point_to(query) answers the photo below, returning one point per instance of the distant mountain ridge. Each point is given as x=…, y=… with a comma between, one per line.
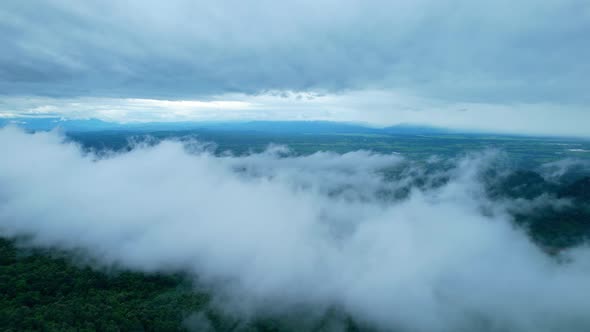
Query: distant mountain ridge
x=275, y=127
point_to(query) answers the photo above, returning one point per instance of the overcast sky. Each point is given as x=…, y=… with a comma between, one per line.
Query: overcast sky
x=515, y=66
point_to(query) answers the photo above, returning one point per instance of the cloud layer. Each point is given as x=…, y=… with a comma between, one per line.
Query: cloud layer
x=273, y=232
x=456, y=50
x=373, y=108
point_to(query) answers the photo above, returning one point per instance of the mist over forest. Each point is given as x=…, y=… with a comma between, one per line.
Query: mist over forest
x=276, y=239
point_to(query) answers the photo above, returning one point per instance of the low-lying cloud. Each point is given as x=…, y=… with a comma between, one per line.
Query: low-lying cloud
x=273, y=231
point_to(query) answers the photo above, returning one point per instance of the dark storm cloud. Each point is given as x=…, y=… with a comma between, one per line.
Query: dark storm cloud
x=504, y=51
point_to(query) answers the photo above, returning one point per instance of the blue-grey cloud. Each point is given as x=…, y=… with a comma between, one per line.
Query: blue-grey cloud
x=457, y=50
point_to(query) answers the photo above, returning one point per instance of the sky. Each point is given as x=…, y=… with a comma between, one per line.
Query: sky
x=500, y=66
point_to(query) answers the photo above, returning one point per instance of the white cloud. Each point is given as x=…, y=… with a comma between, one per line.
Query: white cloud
x=276, y=232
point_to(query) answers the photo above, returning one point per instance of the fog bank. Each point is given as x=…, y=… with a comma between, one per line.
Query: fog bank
x=272, y=231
